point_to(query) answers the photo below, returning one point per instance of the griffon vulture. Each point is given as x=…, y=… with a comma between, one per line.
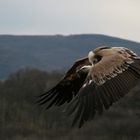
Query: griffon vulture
x=95, y=82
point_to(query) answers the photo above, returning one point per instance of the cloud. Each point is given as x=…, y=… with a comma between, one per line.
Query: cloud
x=118, y=18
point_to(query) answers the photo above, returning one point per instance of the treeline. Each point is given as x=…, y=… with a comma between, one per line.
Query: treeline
x=22, y=119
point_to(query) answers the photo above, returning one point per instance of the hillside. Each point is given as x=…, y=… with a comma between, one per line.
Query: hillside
x=22, y=119
x=51, y=52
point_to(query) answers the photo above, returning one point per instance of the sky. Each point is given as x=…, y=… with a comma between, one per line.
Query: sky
x=119, y=18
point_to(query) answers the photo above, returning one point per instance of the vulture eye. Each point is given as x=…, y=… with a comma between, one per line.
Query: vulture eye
x=98, y=57
x=95, y=61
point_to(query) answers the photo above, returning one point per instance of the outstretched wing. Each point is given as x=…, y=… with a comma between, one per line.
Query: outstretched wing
x=67, y=87
x=106, y=83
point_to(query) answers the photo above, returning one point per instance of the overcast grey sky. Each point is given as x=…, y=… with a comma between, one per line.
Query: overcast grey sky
x=120, y=18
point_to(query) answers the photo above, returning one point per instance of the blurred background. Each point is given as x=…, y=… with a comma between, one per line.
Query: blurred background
x=39, y=41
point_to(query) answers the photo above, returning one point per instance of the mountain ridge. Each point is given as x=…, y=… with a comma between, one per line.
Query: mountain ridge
x=51, y=52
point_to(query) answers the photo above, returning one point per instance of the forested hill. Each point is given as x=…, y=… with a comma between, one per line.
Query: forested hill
x=51, y=52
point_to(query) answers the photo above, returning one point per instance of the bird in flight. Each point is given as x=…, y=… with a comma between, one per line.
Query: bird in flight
x=95, y=82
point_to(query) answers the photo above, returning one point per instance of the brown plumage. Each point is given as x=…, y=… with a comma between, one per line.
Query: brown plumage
x=94, y=83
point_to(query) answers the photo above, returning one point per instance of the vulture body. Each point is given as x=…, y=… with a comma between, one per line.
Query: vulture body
x=95, y=82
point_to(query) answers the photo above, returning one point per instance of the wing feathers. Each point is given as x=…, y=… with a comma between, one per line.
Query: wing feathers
x=79, y=111
x=98, y=102
x=93, y=97
x=44, y=98
x=97, y=88
x=67, y=87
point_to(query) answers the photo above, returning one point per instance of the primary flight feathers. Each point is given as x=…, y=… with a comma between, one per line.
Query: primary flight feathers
x=94, y=83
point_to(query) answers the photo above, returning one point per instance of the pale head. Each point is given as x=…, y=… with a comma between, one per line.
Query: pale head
x=96, y=55
x=91, y=56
